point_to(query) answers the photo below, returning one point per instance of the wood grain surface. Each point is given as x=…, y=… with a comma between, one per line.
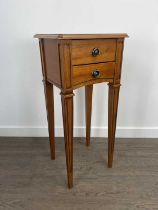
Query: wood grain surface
x=88, y=111
x=80, y=36
x=29, y=180
x=83, y=73
x=81, y=51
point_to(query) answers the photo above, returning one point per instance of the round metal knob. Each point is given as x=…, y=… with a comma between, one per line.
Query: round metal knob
x=95, y=52
x=96, y=73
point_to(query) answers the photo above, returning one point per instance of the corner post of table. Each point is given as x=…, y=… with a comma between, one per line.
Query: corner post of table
x=49, y=99
x=113, y=98
x=67, y=105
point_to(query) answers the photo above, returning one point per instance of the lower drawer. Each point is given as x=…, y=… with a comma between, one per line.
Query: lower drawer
x=84, y=73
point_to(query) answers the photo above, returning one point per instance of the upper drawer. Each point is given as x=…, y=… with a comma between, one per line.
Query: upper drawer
x=93, y=51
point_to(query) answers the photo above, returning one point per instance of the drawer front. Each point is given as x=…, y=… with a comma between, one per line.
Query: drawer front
x=92, y=51
x=84, y=73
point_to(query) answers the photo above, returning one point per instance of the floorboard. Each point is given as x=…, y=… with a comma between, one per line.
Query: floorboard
x=29, y=180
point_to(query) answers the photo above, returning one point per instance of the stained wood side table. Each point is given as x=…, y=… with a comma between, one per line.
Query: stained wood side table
x=70, y=61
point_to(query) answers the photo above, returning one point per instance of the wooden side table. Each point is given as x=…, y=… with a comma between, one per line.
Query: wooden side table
x=70, y=61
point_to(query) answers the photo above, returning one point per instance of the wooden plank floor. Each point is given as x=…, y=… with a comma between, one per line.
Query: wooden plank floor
x=29, y=180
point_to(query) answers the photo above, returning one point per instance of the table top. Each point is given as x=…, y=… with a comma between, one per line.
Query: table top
x=80, y=36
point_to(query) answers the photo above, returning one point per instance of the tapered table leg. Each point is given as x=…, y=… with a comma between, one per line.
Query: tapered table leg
x=112, y=117
x=49, y=97
x=67, y=110
x=88, y=109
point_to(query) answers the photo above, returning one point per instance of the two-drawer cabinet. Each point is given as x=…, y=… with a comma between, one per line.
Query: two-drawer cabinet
x=70, y=61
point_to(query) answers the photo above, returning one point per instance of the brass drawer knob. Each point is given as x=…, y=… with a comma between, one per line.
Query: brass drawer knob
x=95, y=52
x=96, y=73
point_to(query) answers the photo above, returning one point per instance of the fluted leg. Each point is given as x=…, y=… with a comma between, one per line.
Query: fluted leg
x=88, y=109
x=49, y=97
x=112, y=117
x=67, y=109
